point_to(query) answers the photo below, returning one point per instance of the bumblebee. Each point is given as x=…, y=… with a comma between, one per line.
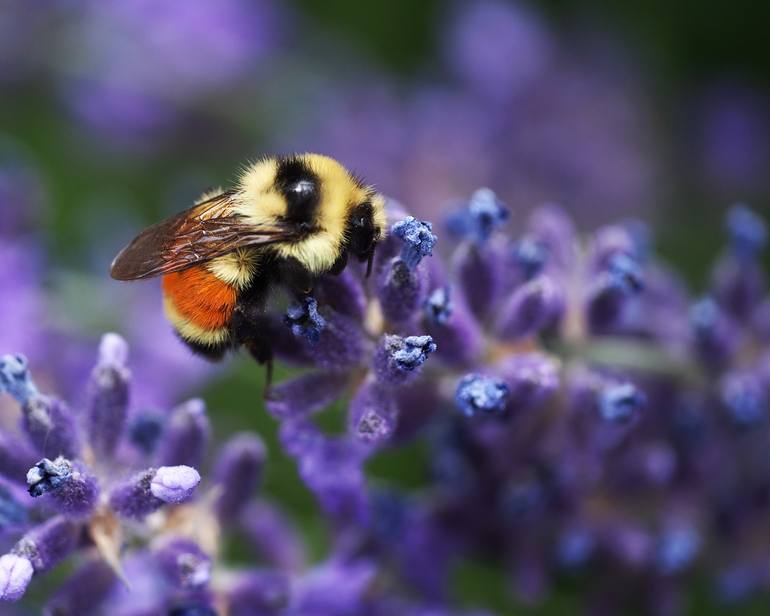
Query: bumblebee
x=288, y=221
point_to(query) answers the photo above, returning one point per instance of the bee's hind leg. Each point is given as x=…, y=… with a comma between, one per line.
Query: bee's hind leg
x=249, y=331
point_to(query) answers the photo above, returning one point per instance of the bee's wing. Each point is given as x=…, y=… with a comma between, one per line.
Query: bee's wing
x=207, y=230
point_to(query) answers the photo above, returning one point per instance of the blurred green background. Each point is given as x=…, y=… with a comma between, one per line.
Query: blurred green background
x=105, y=176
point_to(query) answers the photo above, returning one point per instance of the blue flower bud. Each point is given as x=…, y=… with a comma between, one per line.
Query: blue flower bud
x=401, y=290
x=397, y=359
x=744, y=398
x=677, y=548
x=145, y=430
x=747, y=231
x=619, y=402
x=50, y=427
x=439, y=307
x=418, y=239
x=46, y=475
x=150, y=489
x=530, y=256
x=483, y=215
x=625, y=273
x=477, y=394
x=575, y=547
x=15, y=379
x=304, y=320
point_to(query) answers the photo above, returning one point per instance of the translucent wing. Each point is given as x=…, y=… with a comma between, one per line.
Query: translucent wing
x=207, y=230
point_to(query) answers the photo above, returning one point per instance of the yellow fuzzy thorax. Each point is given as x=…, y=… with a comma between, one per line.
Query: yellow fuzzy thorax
x=260, y=201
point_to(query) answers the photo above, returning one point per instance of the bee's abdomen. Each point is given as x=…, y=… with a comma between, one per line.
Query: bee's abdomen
x=199, y=305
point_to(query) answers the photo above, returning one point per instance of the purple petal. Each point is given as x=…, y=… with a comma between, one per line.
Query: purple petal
x=174, y=484
x=15, y=575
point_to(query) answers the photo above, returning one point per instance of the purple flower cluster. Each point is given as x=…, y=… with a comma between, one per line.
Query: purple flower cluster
x=583, y=412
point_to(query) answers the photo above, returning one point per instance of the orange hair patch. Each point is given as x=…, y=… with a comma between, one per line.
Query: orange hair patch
x=201, y=297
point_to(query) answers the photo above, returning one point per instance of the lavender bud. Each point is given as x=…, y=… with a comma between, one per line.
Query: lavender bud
x=619, y=402
x=401, y=290
x=575, y=547
x=480, y=272
x=184, y=564
x=714, y=333
x=739, y=285
x=625, y=273
x=174, y=484
x=747, y=231
x=15, y=575
x=457, y=334
x=144, y=432
x=48, y=544
x=397, y=360
x=343, y=293
x=74, y=491
x=151, y=489
x=551, y=226
x=373, y=414
x=677, y=548
x=15, y=378
x=50, y=426
x=340, y=346
x=186, y=435
x=439, y=306
x=477, y=394
x=532, y=307
x=238, y=473
x=303, y=319
x=532, y=378
x=530, y=257
x=484, y=214
x=744, y=398
x=418, y=239
x=305, y=395
x=108, y=396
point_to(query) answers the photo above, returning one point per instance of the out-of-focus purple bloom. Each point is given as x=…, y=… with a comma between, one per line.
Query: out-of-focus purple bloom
x=15, y=575
x=482, y=216
x=619, y=402
x=238, y=473
x=186, y=435
x=478, y=395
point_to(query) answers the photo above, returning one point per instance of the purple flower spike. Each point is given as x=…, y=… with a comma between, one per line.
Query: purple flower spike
x=108, y=396
x=418, y=239
x=304, y=395
x=552, y=227
x=12, y=513
x=373, y=414
x=304, y=320
x=677, y=548
x=85, y=591
x=484, y=214
x=272, y=536
x=15, y=457
x=532, y=378
x=238, y=473
x=174, y=484
x=48, y=544
x=74, y=491
x=340, y=346
x=15, y=379
x=625, y=273
x=457, y=334
x=747, y=231
x=398, y=359
x=481, y=395
x=531, y=307
x=15, y=575
x=619, y=402
x=184, y=564
x=186, y=435
x=481, y=272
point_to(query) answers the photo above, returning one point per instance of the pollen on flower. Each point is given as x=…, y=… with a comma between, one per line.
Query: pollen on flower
x=304, y=320
x=418, y=240
x=478, y=395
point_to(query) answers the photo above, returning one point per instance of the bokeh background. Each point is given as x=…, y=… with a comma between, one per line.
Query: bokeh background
x=116, y=113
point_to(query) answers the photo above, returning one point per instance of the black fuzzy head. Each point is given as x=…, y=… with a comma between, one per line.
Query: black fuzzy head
x=301, y=189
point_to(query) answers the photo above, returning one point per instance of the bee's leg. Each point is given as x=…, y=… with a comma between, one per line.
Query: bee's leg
x=295, y=277
x=249, y=329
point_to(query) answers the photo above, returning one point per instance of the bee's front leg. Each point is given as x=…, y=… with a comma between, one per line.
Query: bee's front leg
x=295, y=277
x=248, y=328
